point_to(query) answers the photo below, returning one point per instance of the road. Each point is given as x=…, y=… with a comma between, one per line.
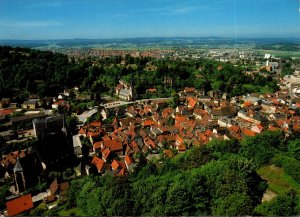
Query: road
x=121, y=103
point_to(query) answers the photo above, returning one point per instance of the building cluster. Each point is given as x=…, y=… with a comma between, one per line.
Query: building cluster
x=155, y=127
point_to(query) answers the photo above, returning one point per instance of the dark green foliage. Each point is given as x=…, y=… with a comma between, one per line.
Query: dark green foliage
x=282, y=205
x=193, y=183
x=24, y=71
x=290, y=165
x=262, y=147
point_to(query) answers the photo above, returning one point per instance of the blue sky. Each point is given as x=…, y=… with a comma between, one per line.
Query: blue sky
x=60, y=19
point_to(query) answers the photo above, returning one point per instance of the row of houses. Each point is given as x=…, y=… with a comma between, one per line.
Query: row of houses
x=153, y=127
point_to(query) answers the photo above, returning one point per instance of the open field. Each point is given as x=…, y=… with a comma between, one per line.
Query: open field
x=279, y=53
x=278, y=181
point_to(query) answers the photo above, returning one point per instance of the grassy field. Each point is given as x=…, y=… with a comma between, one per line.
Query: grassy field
x=278, y=53
x=278, y=181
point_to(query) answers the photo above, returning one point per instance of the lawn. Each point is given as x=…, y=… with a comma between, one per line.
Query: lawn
x=278, y=181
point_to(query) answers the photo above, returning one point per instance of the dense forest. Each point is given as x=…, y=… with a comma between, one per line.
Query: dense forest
x=25, y=71
x=221, y=178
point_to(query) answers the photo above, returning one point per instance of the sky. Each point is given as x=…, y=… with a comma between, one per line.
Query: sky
x=97, y=19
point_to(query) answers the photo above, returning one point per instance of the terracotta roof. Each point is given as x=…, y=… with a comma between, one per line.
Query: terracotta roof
x=128, y=160
x=113, y=145
x=179, y=139
x=248, y=132
x=19, y=205
x=150, y=142
x=166, y=112
x=115, y=165
x=234, y=128
x=97, y=145
x=248, y=104
x=6, y=112
x=192, y=102
x=105, y=153
x=148, y=122
x=81, y=131
x=93, y=134
x=95, y=124
x=168, y=153
x=189, y=89
x=181, y=147
x=99, y=163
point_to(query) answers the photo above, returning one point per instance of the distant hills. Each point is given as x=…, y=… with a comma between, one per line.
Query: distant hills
x=157, y=42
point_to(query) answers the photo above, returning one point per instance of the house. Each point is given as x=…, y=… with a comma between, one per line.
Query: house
x=189, y=90
x=222, y=112
x=19, y=205
x=99, y=163
x=129, y=163
x=124, y=91
x=30, y=104
x=105, y=154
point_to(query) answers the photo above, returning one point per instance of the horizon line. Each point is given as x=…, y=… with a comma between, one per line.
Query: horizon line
x=142, y=37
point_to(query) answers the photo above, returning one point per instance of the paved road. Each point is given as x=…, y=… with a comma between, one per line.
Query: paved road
x=121, y=103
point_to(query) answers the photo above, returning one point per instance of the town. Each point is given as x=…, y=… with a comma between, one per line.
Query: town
x=45, y=143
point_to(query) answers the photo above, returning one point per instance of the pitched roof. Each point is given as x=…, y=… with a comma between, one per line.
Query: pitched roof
x=128, y=160
x=105, y=153
x=99, y=163
x=19, y=205
x=18, y=167
x=115, y=165
x=97, y=145
x=149, y=122
x=248, y=132
x=189, y=89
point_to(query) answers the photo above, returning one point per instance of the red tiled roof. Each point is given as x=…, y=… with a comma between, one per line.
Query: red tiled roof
x=247, y=103
x=99, y=163
x=113, y=145
x=6, y=112
x=115, y=165
x=149, y=122
x=234, y=128
x=248, y=132
x=166, y=112
x=105, y=153
x=93, y=134
x=179, y=139
x=150, y=142
x=189, y=89
x=81, y=131
x=128, y=160
x=19, y=205
x=95, y=124
x=181, y=147
x=192, y=102
x=97, y=145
